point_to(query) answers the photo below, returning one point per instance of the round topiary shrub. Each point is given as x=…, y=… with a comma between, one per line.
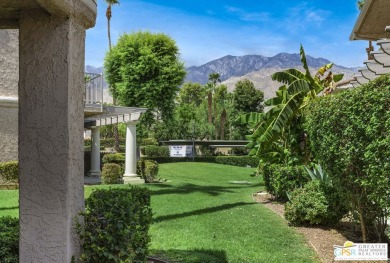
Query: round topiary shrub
x=151, y=171
x=316, y=203
x=111, y=173
x=9, y=171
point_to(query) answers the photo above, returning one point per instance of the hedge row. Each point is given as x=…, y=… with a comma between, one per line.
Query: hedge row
x=155, y=151
x=281, y=180
x=116, y=225
x=242, y=161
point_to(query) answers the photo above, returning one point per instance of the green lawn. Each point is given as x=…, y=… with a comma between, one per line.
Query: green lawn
x=205, y=213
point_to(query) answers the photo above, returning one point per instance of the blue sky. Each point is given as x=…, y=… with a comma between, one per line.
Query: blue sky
x=207, y=30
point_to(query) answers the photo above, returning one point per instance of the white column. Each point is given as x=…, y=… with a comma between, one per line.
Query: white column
x=130, y=175
x=95, y=152
x=51, y=193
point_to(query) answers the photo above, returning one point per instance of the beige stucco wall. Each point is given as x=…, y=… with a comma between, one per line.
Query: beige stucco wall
x=9, y=77
x=9, y=62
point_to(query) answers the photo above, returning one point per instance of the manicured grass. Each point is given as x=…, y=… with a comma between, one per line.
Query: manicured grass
x=201, y=215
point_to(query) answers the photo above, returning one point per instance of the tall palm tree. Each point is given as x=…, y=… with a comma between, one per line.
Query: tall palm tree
x=113, y=90
x=213, y=80
x=109, y=15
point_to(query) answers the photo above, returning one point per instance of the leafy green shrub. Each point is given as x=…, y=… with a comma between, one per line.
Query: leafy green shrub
x=155, y=151
x=116, y=225
x=349, y=135
x=111, y=173
x=117, y=158
x=317, y=203
x=203, y=159
x=148, y=141
x=280, y=180
x=148, y=169
x=9, y=239
x=242, y=161
x=9, y=171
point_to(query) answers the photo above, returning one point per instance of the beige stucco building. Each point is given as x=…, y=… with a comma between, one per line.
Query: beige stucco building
x=9, y=78
x=43, y=113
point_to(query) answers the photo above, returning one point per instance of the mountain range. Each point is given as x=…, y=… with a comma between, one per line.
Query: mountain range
x=256, y=68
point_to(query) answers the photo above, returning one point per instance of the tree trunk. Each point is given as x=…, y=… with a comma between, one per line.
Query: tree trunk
x=223, y=121
x=210, y=104
x=362, y=223
x=115, y=126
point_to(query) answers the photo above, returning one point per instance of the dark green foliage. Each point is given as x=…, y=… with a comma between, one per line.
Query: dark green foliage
x=146, y=70
x=349, y=135
x=317, y=203
x=148, y=141
x=116, y=224
x=242, y=161
x=246, y=98
x=9, y=240
x=111, y=173
x=9, y=171
x=280, y=180
x=155, y=151
x=202, y=159
x=117, y=158
x=148, y=169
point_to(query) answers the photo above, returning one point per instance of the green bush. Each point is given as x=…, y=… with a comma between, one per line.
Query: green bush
x=242, y=161
x=317, y=203
x=148, y=141
x=9, y=240
x=203, y=159
x=349, y=135
x=111, y=173
x=116, y=225
x=9, y=171
x=155, y=151
x=117, y=158
x=148, y=169
x=280, y=180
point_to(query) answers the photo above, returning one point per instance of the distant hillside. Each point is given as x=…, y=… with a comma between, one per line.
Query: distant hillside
x=256, y=68
x=237, y=66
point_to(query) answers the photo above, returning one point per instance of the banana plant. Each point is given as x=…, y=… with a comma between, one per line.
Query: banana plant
x=287, y=106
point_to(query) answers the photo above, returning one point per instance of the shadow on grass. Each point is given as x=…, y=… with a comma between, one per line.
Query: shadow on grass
x=192, y=188
x=9, y=208
x=200, y=211
x=190, y=256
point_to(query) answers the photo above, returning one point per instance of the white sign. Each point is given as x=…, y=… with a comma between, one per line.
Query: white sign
x=361, y=251
x=177, y=150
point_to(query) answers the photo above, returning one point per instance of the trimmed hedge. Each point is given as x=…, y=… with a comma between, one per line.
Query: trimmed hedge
x=9, y=239
x=111, y=173
x=117, y=158
x=241, y=161
x=317, y=203
x=9, y=171
x=155, y=151
x=148, y=169
x=349, y=135
x=280, y=180
x=116, y=225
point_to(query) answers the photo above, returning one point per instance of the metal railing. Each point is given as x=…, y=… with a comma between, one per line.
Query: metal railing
x=93, y=94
